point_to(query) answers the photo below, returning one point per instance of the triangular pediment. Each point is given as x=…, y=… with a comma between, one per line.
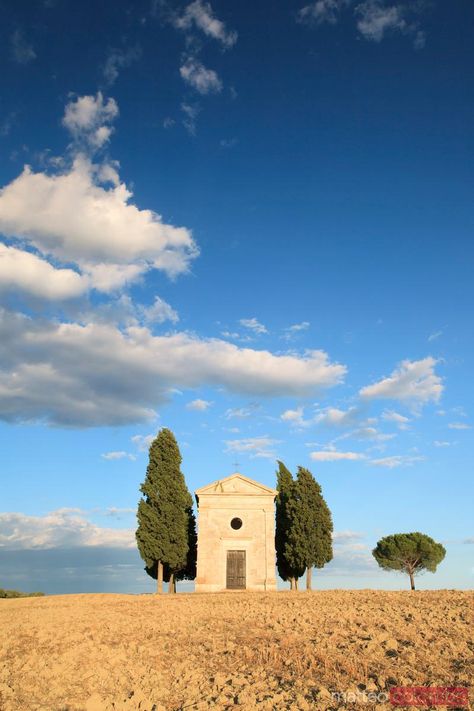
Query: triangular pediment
x=235, y=484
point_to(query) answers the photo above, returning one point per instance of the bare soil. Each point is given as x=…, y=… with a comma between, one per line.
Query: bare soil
x=267, y=651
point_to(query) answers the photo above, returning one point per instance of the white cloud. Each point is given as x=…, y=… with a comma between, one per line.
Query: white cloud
x=63, y=528
x=398, y=460
x=233, y=335
x=400, y=420
x=254, y=446
x=205, y=81
x=96, y=374
x=334, y=417
x=372, y=433
x=28, y=273
x=438, y=443
x=344, y=537
x=199, y=405
x=292, y=331
x=459, y=426
x=331, y=455
x=191, y=112
x=159, y=312
x=295, y=417
x=112, y=456
x=118, y=512
x=303, y=326
x=143, y=442
x=322, y=11
x=200, y=15
x=434, y=336
x=240, y=412
x=419, y=41
x=118, y=59
x=73, y=218
x=375, y=19
x=253, y=325
x=22, y=51
x=413, y=381
x=87, y=118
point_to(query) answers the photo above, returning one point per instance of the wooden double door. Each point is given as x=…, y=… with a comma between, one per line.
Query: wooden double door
x=236, y=570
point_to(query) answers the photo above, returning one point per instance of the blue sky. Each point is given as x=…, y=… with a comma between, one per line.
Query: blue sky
x=250, y=224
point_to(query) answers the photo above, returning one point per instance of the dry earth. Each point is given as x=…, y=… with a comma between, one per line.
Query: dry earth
x=267, y=651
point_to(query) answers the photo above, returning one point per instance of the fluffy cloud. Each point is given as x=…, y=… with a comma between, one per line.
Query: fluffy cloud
x=400, y=420
x=343, y=537
x=63, y=528
x=371, y=433
x=26, y=272
x=191, y=112
x=240, y=412
x=459, y=426
x=295, y=417
x=331, y=455
x=200, y=15
x=159, y=312
x=398, y=460
x=87, y=118
x=74, y=217
x=113, y=456
x=376, y=19
x=303, y=326
x=254, y=446
x=118, y=59
x=334, y=417
x=322, y=11
x=70, y=374
x=143, y=442
x=205, y=81
x=292, y=331
x=413, y=381
x=199, y=405
x=21, y=50
x=254, y=325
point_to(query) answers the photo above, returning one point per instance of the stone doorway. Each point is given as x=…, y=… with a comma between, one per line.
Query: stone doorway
x=235, y=579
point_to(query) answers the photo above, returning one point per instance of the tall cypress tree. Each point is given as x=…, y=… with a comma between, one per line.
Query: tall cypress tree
x=285, y=487
x=309, y=541
x=165, y=514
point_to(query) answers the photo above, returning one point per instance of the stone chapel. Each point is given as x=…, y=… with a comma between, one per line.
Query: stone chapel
x=236, y=535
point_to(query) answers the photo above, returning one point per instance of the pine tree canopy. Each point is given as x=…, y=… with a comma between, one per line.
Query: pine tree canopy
x=409, y=552
x=165, y=514
x=309, y=540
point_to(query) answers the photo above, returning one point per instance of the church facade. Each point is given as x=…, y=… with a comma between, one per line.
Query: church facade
x=236, y=535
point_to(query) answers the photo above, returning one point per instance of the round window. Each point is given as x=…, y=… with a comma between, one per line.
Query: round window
x=236, y=523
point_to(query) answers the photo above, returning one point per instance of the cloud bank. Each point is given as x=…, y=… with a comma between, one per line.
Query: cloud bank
x=95, y=374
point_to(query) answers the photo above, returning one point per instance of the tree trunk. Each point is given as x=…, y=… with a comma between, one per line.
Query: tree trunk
x=172, y=584
x=159, y=577
x=412, y=580
x=296, y=583
x=292, y=584
x=309, y=577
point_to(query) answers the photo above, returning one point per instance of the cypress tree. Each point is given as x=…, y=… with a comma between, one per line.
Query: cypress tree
x=309, y=541
x=165, y=514
x=285, y=487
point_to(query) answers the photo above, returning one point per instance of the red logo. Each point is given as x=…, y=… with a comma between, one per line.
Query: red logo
x=449, y=696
